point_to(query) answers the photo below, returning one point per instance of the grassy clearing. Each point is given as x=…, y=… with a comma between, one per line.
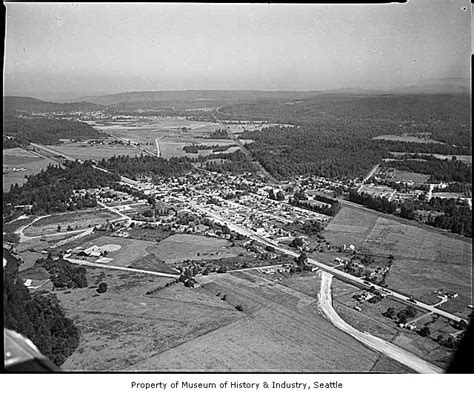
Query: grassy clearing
x=84, y=151
x=410, y=139
x=151, y=263
x=124, y=327
x=275, y=333
x=21, y=159
x=182, y=247
x=405, y=176
x=77, y=220
x=350, y=226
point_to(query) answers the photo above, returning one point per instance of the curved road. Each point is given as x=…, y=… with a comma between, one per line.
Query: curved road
x=387, y=348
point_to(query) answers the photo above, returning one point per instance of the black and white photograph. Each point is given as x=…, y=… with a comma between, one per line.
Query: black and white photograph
x=257, y=188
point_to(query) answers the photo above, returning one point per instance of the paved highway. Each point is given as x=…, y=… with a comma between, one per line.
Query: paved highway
x=387, y=348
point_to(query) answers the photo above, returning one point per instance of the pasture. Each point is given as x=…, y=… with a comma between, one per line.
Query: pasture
x=410, y=139
x=85, y=151
x=180, y=247
x=405, y=176
x=19, y=163
x=279, y=330
x=76, y=220
x=125, y=326
x=462, y=158
x=425, y=260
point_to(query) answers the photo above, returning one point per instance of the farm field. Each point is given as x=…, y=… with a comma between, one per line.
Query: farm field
x=424, y=260
x=463, y=158
x=405, y=176
x=85, y=151
x=125, y=326
x=27, y=163
x=182, y=247
x=278, y=331
x=411, y=139
x=350, y=226
x=77, y=220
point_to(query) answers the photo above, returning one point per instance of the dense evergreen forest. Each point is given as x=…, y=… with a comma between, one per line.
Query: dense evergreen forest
x=51, y=190
x=38, y=317
x=439, y=170
x=447, y=117
x=452, y=215
x=44, y=130
x=236, y=162
x=333, y=137
x=147, y=166
x=312, y=150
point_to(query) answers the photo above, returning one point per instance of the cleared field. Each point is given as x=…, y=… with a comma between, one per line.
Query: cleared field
x=410, y=176
x=449, y=195
x=350, y=226
x=280, y=334
x=84, y=151
x=125, y=326
x=26, y=164
x=77, y=220
x=424, y=260
x=463, y=158
x=182, y=247
x=411, y=139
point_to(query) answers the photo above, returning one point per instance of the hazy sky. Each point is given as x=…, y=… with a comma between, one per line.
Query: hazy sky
x=79, y=48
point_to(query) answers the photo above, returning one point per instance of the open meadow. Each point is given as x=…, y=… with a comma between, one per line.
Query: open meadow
x=19, y=163
x=424, y=260
x=75, y=220
x=126, y=326
x=84, y=151
x=411, y=139
x=279, y=329
x=180, y=247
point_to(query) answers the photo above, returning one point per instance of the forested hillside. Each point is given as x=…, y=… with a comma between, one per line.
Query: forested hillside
x=51, y=190
x=446, y=117
x=44, y=130
x=333, y=133
x=39, y=317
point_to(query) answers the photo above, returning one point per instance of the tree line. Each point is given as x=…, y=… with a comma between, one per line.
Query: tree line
x=439, y=170
x=38, y=317
x=44, y=130
x=452, y=214
x=51, y=190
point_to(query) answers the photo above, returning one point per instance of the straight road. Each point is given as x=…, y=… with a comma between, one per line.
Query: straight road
x=387, y=348
x=113, y=267
x=369, y=175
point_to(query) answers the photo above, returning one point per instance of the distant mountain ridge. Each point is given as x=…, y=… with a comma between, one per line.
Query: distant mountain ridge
x=26, y=103
x=211, y=97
